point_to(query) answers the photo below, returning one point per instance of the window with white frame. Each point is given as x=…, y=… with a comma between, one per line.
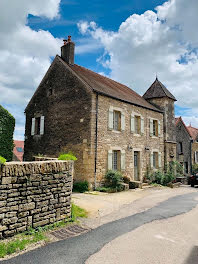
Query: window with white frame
x=116, y=160
x=155, y=128
x=156, y=160
x=37, y=126
x=116, y=120
x=137, y=124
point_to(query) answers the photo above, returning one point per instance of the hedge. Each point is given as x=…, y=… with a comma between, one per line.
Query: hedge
x=7, y=125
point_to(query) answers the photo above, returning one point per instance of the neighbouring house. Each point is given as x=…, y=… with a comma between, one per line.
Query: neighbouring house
x=104, y=123
x=184, y=145
x=194, y=148
x=18, y=150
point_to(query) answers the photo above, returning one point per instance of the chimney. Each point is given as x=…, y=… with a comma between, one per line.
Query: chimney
x=67, y=51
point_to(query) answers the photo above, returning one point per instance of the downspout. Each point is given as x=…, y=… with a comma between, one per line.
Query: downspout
x=96, y=141
x=191, y=157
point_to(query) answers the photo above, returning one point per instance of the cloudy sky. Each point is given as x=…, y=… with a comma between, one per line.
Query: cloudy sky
x=129, y=42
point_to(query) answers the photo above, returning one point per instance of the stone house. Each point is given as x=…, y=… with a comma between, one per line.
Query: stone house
x=194, y=148
x=104, y=123
x=184, y=145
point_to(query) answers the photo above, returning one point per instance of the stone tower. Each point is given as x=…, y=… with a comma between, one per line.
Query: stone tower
x=159, y=96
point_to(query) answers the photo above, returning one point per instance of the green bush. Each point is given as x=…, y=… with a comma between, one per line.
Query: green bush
x=81, y=186
x=67, y=156
x=159, y=177
x=2, y=160
x=113, y=179
x=7, y=124
x=195, y=168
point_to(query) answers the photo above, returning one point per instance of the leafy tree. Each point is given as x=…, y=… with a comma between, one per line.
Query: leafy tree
x=7, y=125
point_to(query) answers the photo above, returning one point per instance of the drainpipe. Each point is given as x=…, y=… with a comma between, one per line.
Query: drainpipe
x=191, y=142
x=96, y=141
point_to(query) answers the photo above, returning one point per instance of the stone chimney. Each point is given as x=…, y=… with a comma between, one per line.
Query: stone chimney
x=67, y=51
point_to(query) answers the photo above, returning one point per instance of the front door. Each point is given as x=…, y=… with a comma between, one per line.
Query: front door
x=136, y=166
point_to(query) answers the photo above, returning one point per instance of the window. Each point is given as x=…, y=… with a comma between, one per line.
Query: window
x=155, y=160
x=19, y=149
x=117, y=120
x=137, y=121
x=37, y=126
x=186, y=167
x=137, y=124
x=196, y=156
x=155, y=128
x=180, y=148
x=115, y=160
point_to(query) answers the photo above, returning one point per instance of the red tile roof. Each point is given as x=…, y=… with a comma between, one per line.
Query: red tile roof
x=109, y=87
x=19, y=145
x=193, y=132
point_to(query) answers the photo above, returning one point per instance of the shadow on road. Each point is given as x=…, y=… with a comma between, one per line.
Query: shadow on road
x=193, y=257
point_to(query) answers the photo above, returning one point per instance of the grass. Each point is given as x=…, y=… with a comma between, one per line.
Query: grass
x=32, y=236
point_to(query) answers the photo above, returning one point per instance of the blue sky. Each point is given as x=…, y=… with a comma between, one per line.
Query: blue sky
x=129, y=41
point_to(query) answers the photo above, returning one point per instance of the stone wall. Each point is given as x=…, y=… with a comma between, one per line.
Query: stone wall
x=34, y=194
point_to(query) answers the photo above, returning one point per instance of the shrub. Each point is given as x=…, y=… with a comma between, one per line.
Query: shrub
x=81, y=186
x=126, y=179
x=7, y=124
x=67, y=156
x=2, y=160
x=113, y=179
x=195, y=168
x=159, y=177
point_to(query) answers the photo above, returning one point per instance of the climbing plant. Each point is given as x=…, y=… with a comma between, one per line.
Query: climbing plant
x=7, y=124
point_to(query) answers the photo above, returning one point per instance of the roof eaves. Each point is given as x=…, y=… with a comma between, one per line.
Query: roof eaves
x=128, y=102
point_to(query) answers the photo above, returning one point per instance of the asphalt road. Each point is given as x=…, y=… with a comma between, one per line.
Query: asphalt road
x=77, y=250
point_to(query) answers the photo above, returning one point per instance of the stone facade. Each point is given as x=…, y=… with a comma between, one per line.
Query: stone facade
x=184, y=145
x=65, y=103
x=34, y=194
x=126, y=140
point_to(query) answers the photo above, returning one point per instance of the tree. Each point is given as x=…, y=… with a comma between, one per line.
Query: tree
x=7, y=125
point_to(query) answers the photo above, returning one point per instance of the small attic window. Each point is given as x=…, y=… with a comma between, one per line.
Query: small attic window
x=50, y=91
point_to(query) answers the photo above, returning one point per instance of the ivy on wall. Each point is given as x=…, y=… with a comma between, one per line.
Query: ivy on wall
x=7, y=124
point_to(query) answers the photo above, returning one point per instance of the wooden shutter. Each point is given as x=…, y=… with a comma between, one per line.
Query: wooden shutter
x=110, y=125
x=33, y=127
x=122, y=122
x=122, y=159
x=159, y=128
x=110, y=161
x=160, y=160
x=151, y=127
x=132, y=123
x=142, y=125
x=195, y=156
x=151, y=161
x=42, y=125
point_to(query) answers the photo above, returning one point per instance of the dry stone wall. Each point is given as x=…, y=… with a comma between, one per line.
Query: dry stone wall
x=34, y=194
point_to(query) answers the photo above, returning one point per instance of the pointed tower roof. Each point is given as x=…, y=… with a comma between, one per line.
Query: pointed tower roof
x=158, y=90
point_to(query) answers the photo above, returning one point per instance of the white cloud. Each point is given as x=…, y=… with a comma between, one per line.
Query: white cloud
x=24, y=53
x=162, y=42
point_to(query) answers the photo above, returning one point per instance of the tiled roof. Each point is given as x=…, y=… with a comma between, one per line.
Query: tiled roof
x=109, y=87
x=18, y=150
x=158, y=90
x=193, y=132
